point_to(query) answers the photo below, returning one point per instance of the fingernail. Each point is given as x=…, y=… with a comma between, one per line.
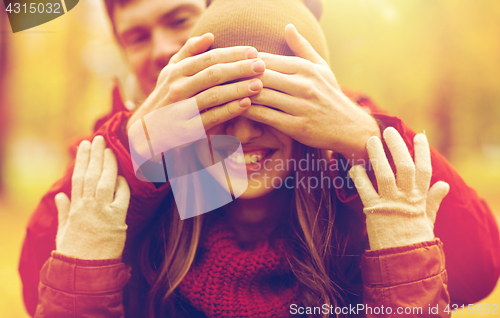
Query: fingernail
x=255, y=85
x=244, y=103
x=251, y=53
x=259, y=66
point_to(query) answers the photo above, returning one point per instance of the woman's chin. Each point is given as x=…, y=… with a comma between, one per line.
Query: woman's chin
x=254, y=193
x=245, y=189
x=256, y=189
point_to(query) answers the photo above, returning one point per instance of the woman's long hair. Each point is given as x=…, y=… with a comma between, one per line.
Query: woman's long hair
x=323, y=247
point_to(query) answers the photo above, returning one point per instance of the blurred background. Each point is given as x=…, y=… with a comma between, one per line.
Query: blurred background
x=435, y=64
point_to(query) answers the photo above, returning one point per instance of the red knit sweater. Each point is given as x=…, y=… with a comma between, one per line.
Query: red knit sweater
x=229, y=281
x=226, y=281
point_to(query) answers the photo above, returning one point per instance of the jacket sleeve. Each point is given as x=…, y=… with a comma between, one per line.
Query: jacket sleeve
x=71, y=287
x=464, y=223
x=42, y=226
x=406, y=280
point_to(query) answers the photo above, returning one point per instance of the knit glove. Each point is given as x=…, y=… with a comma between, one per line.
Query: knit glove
x=92, y=225
x=404, y=209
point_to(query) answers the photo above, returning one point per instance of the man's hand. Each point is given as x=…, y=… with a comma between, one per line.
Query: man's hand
x=92, y=225
x=301, y=98
x=404, y=209
x=192, y=73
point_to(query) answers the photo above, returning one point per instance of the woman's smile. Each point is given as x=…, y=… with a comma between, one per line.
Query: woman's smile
x=263, y=147
x=253, y=157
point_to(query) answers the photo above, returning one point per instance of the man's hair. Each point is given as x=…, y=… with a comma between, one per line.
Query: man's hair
x=111, y=4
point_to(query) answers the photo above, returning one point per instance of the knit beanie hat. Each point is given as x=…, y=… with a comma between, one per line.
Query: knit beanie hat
x=261, y=24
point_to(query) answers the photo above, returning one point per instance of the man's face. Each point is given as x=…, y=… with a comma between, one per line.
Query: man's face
x=152, y=31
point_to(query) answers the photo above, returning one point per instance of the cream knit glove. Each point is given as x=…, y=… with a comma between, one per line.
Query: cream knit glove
x=404, y=209
x=92, y=225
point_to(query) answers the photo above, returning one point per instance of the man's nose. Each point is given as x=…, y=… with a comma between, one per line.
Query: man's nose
x=164, y=47
x=244, y=129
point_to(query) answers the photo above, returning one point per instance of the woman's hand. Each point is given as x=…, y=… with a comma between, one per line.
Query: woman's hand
x=404, y=209
x=92, y=225
x=308, y=103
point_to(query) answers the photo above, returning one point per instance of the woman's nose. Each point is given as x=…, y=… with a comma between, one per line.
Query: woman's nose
x=244, y=129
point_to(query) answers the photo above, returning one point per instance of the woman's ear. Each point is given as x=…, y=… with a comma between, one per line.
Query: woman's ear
x=316, y=7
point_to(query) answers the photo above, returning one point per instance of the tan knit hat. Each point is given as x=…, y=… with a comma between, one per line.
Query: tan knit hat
x=261, y=24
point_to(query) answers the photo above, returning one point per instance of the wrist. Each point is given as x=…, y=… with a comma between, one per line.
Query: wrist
x=366, y=127
x=397, y=229
x=132, y=119
x=92, y=246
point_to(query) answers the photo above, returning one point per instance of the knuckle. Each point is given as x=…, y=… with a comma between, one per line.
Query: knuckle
x=242, y=88
x=162, y=77
x=238, y=53
x=309, y=66
x=243, y=68
x=259, y=97
x=304, y=126
x=170, y=72
x=229, y=109
x=212, y=97
x=214, y=74
x=309, y=91
x=165, y=74
x=174, y=93
x=261, y=113
x=209, y=58
x=212, y=118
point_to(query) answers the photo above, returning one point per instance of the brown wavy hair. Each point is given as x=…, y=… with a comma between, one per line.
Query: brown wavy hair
x=323, y=247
